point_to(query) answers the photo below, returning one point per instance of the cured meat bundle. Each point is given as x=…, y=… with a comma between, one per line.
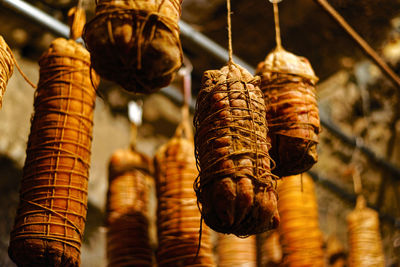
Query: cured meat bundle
x=288, y=83
x=234, y=251
x=300, y=236
x=128, y=241
x=178, y=217
x=365, y=241
x=50, y=220
x=271, y=250
x=136, y=42
x=235, y=187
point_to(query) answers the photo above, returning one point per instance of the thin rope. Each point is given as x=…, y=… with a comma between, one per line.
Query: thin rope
x=277, y=27
x=230, y=50
x=361, y=42
x=22, y=73
x=7, y=49
x=357, y=181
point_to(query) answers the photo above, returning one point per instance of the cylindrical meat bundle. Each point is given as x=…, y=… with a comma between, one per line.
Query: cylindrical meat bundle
x=6, y=67
x=271, y=250
x=178, y=217
x=50, y=220
x=128, y=241
x=136, y=42
x=300, y=236
x=288, y=83
x=236, y=252
x=235, y=187
x=365, y=244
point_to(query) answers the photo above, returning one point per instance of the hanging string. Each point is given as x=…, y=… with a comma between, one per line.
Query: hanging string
x=228, y=6
x=361, y=42
x=356, y=168
x=277, y=27
x=22, y=73
x=7, y=58
x=76, y=20
x=186, y=74
x=135, y=112
x=357, y=181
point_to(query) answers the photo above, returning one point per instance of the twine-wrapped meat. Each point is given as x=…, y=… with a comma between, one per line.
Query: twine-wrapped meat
x=6, y=67
x=136, y=42
x=364, y=237
x=271, y=250
x=178, y=218
x=288, y=83
x=236, y=252
x=128, y=241
x=300, y=236
x=50, y=220
x=235, y=187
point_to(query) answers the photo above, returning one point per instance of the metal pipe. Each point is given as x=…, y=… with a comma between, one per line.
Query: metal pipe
x=212, y=48
x=352, y=141
x=38, y=16
x=209, y=45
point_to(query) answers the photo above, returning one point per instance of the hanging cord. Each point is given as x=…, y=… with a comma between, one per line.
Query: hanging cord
x=22, y=73
x=361, y=42
x=185, y=128
x=76, y=20
x=277, y=27
x=230, y=50
x=135, y=114
x=7, y=59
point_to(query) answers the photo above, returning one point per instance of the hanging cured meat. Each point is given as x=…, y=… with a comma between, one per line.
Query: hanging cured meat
x=364, y=237
x=178, y=217
x=236, y=252
x=51, y=216
x=128, y=241
x=136, y=42
x=299, y=231
x=288, y=84
x=235, y=187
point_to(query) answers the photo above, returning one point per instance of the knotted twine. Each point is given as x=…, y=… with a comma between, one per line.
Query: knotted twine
x=235, y=189
x=128, y=241
x=50, y=220
x=288, y=83
x=136, y=42
x=300, y=236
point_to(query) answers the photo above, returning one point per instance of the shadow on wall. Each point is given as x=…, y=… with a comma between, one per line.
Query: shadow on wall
x=10, y=175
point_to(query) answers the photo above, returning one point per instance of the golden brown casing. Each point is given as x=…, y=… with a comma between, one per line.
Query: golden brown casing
x=51, y=216
x=178, y=217
x=365, y=243
x=236, y=252
x=299, y=231
x=128, y=241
